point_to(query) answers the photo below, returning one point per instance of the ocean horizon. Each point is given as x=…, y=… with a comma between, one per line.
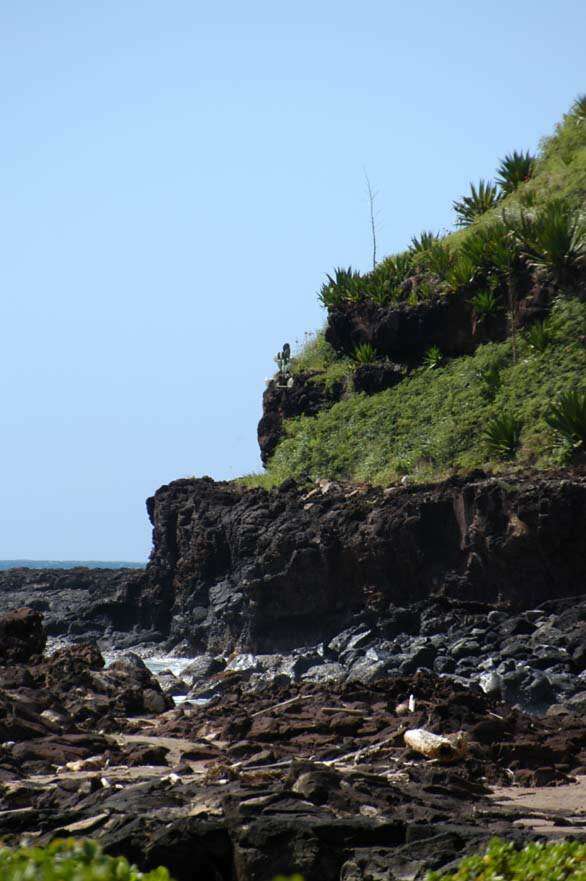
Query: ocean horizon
x=71, y=564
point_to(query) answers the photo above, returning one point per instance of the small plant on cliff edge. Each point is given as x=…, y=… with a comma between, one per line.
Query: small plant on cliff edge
x=364, y=353
x=423, y=242
x=485, y=303
x=344, y=285
x=537, y=861
x=433, y=358
x=502, y=435
x=514, y=169
x=568, y=418
x=481, y=199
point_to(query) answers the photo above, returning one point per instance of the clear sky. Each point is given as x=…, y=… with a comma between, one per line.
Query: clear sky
x=177, y=177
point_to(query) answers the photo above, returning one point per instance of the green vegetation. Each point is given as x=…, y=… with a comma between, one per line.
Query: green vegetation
x=526, y=232
x=433, y=358
x=530, y=219
x=553, y=239
x=70, y=860
x=485, y=303
x=553, y=861
x=433, y=423
x=538, y=336
x=364, y=353
x=514, y=170
x=568, y=417
x=502, y=435
x=481, y=199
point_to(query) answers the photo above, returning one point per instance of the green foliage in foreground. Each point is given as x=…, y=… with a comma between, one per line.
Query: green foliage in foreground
x=433, y=423
x=70, y=860
x=554, y=861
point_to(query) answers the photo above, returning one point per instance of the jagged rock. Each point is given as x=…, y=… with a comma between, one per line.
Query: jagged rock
x=307, y=396
x=21, y=635
x=274, y=573
x=373, y=378
x=404, y=332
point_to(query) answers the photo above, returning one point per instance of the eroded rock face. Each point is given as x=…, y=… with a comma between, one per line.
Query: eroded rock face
x=257, y=571
x=405, y=332
x=21, y=636
x=78, y=603
x=306, y=397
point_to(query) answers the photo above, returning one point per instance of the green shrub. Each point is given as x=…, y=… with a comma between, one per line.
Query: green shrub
x=439, y=259
x=491, y=250
x=70, y=860
x=485, y=303
x=481, y=199
x=553, y=239
x=432, y=423
x=423, y=242
x=344, y=285
x=537, y=861
x=461, y=272
x=433, y=358
x=538, y=336
x=514, y=169
x=490, y=379
x=364, y=353
x=502, y=435
x=568, y=417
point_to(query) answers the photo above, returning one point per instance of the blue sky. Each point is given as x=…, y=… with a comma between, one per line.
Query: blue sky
x=176, y=178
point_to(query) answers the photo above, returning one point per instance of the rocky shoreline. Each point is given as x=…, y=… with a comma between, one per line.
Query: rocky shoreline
x=323, y=624
x=307, y=776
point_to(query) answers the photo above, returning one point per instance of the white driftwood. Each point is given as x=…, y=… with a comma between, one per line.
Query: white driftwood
x=447, y=748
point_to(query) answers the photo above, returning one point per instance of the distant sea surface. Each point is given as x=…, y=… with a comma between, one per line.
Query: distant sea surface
x=70, y=564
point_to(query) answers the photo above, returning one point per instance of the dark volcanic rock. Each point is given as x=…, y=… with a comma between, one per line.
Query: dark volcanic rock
x=21, y=636
x=373, y=378
x=405, y=332
x=269, y=571
x=75, y=601
x=306, y=397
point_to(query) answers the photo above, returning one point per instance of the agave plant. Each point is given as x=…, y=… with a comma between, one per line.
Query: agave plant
x=480, y=200
x=485, y=303
x=568, y=417
x=538, y=336
x=364, y=353
x=502, y=435
x=461, y=272
x=490, y=248
x=514, y=169
x=553, y=239
x=345, y=284
x=439, y=259
x=433, y=358
x=384, y=284
x=423, y=242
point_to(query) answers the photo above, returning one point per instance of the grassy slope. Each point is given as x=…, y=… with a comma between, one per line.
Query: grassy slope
x=432, y=423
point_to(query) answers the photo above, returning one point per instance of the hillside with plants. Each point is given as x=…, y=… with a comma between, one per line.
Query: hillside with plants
x=464, y=351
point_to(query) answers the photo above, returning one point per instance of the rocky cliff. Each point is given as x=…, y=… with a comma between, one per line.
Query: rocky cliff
x=266, y=571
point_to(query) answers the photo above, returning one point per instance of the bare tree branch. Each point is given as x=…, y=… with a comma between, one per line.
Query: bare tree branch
x=371, y=201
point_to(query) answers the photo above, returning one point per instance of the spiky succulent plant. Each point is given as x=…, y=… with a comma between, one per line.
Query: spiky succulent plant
x=514, y=169
x=481, y=199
